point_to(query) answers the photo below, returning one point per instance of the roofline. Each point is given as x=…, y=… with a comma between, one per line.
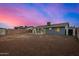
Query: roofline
x=55, y=24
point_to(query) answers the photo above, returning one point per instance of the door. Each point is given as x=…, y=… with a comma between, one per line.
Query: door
x=70, y=32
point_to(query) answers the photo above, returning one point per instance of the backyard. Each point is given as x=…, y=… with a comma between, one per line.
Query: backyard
x=38, y=45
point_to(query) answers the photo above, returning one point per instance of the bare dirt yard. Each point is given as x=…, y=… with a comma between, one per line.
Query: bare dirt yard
x=38, y=45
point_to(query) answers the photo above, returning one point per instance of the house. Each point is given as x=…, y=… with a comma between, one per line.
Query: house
x=39, y=30
x=55, y=29
x=58, y=29
x=2, y=31
x=52, y=29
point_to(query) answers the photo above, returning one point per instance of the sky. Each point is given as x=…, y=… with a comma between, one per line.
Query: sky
x=34, y=14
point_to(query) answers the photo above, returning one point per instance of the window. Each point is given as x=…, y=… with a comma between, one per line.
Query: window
x=57, y=29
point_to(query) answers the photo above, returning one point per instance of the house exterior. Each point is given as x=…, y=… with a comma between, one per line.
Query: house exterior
x=55, y=29
x=51, y=29
x=39, y=30
x=2, y=31
x=58, y=29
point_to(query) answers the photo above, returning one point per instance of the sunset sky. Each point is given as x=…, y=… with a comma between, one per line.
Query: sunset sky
x=32, y=14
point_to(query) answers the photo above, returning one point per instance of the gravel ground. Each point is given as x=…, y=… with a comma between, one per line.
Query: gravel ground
x=38, y=45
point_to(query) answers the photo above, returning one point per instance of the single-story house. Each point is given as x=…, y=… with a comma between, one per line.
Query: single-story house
x=58, y=29
x=55, y=29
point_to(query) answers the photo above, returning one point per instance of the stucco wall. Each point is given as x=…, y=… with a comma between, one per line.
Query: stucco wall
x=15, y=31
x=54, y=32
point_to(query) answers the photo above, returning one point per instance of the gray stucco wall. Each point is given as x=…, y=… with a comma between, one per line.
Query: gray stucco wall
x=54, y=32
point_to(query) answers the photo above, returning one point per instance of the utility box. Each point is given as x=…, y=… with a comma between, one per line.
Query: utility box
x=2, y=31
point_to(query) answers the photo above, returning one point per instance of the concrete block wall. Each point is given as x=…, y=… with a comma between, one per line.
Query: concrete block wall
x=2, y=32
x=15, y=31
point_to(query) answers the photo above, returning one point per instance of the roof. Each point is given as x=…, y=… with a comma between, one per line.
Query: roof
x=60, y=25
x=55, y=25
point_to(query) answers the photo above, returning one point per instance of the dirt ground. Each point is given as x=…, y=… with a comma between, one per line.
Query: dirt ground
x=38, y=45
